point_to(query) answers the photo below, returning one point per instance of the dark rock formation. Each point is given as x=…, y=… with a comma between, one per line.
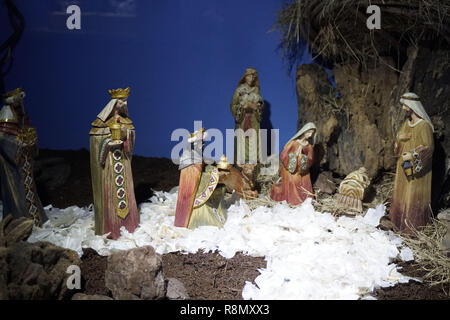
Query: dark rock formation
x=35, y=271
x=358, y=120
x=136, y=275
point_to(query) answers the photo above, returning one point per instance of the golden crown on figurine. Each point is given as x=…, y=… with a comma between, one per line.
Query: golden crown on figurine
x=120, y=93
x=12, y=93
x=223, y=163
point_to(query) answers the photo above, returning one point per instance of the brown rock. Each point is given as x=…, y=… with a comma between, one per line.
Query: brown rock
x=35, y=271
x=325, y=183
x=176, y=290
x=135, y=274
x=353, y=128
x=444, y=217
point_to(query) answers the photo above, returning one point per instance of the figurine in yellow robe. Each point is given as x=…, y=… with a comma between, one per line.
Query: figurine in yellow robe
x=411, y=202
x=111, y=145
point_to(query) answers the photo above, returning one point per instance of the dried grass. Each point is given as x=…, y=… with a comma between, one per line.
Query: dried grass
x=429, y=256
x=336, y=30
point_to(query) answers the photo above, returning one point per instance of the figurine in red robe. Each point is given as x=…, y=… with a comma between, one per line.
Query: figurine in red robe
x=297, y=158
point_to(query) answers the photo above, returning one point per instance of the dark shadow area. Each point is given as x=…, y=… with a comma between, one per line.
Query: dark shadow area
x=319, y=153
x=266, y=123
x=17, y=22
x=439, y=176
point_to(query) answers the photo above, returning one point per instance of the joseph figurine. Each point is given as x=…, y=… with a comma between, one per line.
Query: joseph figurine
x=18, y=148
x=411, y=202
x=111, y=144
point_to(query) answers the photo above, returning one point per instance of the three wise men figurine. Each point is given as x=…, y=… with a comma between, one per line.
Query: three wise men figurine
x=411, y=201
x=202, y=187
x=247, y=108
x=18, y=148
x=111, y=147
x=200, y=195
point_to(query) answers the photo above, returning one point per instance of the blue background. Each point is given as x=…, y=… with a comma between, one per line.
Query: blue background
x=182, y=59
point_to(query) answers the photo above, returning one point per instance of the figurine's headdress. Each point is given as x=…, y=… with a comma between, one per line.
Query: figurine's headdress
x=198, y=135
x=306, y=127
x=120, y=93
x=248, y=72
x=412, y=101
x=13, y=96
x=115, y=95
x=223, y=163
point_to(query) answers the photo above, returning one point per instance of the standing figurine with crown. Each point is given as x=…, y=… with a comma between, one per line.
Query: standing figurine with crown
x=18, y=148
x=111, y=143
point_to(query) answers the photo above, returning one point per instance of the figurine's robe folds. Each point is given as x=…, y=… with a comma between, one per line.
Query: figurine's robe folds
x=411, y=199
x=294, y=187
x=200, y=198
x=19, y=194
x=245, y=120
x=112, y=180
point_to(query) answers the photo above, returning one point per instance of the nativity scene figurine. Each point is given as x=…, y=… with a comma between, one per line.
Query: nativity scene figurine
x=297, y=158
x=18, y=148
x=112, y=140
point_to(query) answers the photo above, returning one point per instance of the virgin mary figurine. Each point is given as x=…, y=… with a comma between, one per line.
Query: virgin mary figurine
x=111, y=143
x=297, y=159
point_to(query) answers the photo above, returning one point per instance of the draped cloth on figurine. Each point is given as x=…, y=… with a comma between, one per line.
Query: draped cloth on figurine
x=200, y=198
x=297, y=161
x=112, y=179
x=411, y=200
x=295, y=186
x=248, y=149
x=18, y=148
x=19, y=194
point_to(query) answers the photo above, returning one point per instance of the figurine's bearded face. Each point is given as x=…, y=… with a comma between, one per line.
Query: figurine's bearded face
x=408, y=111
x=121, y=107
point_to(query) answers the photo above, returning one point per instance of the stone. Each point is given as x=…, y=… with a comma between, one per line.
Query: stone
x=135, y=274
x=85, y=297
x=35, y=271
x=444, y=217
x=325, y=183
x=176, y=290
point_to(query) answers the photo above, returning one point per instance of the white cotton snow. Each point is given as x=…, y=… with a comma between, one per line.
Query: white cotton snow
x=310, y=255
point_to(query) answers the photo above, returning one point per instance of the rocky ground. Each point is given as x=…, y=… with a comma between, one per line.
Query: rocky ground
x=64, y=180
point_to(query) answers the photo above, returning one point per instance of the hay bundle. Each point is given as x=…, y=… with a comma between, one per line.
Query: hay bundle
x=337, y=31
x=428, y=253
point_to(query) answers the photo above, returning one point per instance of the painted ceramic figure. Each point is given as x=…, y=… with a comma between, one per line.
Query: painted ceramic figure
x=247, y=109
x=201, y=192
x=18, y=148
x=352, y=189
x=111, y=142
x=410, y=208
x=297, y=158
